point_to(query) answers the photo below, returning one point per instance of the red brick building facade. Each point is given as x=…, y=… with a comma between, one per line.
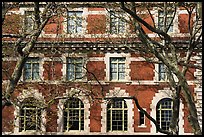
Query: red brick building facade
x=91, y=57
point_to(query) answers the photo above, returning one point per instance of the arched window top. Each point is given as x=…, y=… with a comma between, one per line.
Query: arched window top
x=117, y=104
x=164, y=113
x=30, y=102
x=165, y=103
x=74, y=103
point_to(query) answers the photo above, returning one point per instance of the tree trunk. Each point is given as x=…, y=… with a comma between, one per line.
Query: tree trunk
x=193, y=117
x=174, y=127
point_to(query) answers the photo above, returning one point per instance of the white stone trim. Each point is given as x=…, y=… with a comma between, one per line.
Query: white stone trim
x=78, y=94
x=165, y=93
x=96, y=12
x=26, y=93
x=96, y=59
x=127, y=65
x=118, y=92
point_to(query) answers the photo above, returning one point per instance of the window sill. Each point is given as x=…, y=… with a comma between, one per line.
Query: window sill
x=30, y=81
x=31, y=132
x=142, y=126
x=126, y=82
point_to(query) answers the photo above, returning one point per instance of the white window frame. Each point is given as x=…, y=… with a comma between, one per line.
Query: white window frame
x=75, y=18
x=41, y=68
x=117, y=92
x=30, y=92
x=78, y=94
x=162, y=72
x=84, y=23
x=74, y=71
x=36, y=109
x=31, y=15
x=108, y=27
x=160, y=109
x=175, y=21
x=119, y=19
x=30, y=61
x=165, y=93
x=64, y=67
x=156, y=78
x=168, y=16
x=117, y=62
x=123, y=116
x=79, y=109
x=127, y=66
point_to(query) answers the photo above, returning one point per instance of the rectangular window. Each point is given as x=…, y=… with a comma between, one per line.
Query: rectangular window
x=162, y=72
x=74, y=24
x=117, y=68
x=141, y=118
x=31, y=69
x=161, y=18
x=117, y=23
x=74, y=68
x=29, y=21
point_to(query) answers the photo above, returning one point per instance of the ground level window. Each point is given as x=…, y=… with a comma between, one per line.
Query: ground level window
x=117, y=116
x=164, y=113
x=30, y=115
x=73, y=115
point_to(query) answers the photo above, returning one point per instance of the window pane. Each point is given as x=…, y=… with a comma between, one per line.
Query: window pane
x=113, y=67
x=29, y=22
x=162, y=73
x=121, y=67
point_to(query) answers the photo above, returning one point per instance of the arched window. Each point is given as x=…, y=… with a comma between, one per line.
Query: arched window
x=30, y=115
x=73, y=115
x=164, y=112
x=117, y=116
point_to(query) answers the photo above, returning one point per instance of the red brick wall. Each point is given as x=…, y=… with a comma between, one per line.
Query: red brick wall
x=8, y=66
x=141, y=70
x=8, y=119
x=54, y=26
x=52, y=70
x=96, y=24
x=148, y=19
x=95, y=118
x=183, y=23
x=12, y=24
x=97, y=68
